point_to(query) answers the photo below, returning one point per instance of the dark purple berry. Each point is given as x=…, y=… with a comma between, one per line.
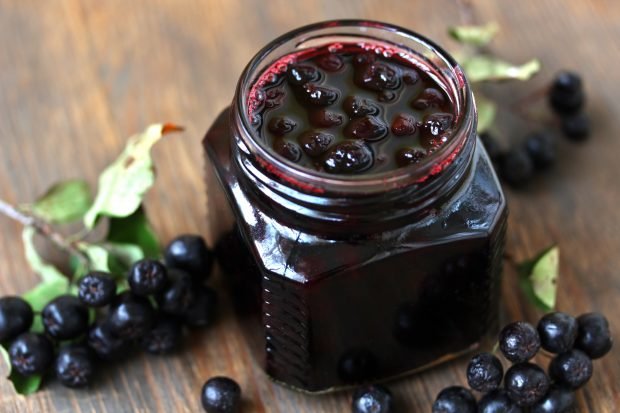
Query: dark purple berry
x=557, y=400
x=318, y=95
x=130, y=316
x=410, y=77
x=517, y=167
x=357, y=365
x=147, y=277
x=429, y=98
x=519, y=341
x=566, y=95
x=356, y=107
x=324, y=119
x=65, y=317
x=568, y=82
x=331, y=62
x=348, y=157
x=221, y=395
x=455, y=399
x=163, y=337
x=368, y=128
x=437, y=123
x=74, y=366
x=497, y=401
x=315, y=143
x=31, y=353
x=541, y=148
x=387, y=96
x=484, y=372
x=493, y=148
x=104, y=343
x=557, y=332
x=274, y=97
x=15, y=317
x=287, y=149
x=97, y=289
x=593, y=337
x=281, y=125
x=299, y=75
x=526, y=384
x=190, y=253
x=202, y=311
x=404, y=125
x=409, y=156
x=178, y=295
x=362, y=59
x=377, y=76
x=571, y=369
x=576, y=127
x=372, y=399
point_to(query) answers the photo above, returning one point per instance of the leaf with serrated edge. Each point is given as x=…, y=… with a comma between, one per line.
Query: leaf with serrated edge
x=539, y=278
x=22, y=384
x=123, y=184
x=481, y=68
x=134, y=229
x=64, y=202
x=486, y=112
x=46, y=271
x=474, y=35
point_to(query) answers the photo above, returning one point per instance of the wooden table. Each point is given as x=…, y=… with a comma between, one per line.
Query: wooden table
x=76, y=78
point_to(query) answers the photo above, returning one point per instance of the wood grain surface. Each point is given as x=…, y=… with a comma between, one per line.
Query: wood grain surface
x=77, y=77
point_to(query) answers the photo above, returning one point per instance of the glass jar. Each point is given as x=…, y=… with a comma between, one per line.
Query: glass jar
x=361, y=277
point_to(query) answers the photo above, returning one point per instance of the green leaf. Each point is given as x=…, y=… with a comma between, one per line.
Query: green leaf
x=480, y=68
x=123, y=184
x=22, y=384
x=539, y=278
x=135, y=229
x=111, y=257
x=97, y=255
x=64, y=202
x=46, y=271
x=486, y=112
x=474, y=35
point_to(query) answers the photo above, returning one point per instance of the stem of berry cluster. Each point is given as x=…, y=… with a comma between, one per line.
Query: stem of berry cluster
x=43, y=228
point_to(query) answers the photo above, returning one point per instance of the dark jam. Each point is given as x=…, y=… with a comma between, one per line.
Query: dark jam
x=351, y=289
x=351, y=109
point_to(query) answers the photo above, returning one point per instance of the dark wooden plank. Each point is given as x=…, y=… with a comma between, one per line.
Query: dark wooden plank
x=78, y=77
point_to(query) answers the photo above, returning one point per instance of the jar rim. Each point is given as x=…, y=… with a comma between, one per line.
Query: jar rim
x=317, y=181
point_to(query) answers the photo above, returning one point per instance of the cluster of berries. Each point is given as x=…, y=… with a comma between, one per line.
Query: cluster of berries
x=100, y=323
x=527, y=387
x=518, y=165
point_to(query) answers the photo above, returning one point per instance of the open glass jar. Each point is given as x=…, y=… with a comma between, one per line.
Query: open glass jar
x=357, y=277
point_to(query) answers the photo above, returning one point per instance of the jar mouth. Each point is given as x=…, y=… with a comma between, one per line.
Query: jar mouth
x=450, y=75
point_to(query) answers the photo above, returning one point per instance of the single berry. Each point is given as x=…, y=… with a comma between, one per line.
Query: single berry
x=164, y=337
x=493, y=148
x=348, y=157
x=567, y=81
x=318, y=95
x=593, y=337
x=178, y=295
x=557, y=400
x=517, y=167
x=410, y=77
x=566, y=95
x=130, y=316
x=74, y=366
x=526, y=383
x=324, y=118
x=571, y=369
x=287, y=149
x=455, y=399
x=356, y=107
x=519, y=341
x=576, y=127
x=147, y=277
x=299, y=75
x=281, y=125
x=429, y=98
x=104, y=343
x=31, y=353
x=357, y=365
x=368, y=128
x=409, y=156
x=315, y=143
x=541, y=148
x=377, y=76
x=497, y=401
x=190, y=253
x=202, y=311
x=484, y=372
x=331, y=62
x=274, y=97
x=97, y=289
x=372, y=399
x=437, y=123
x=221, y=395
x=557, y=332
x=65, y=317
x=15, y=317
x=404, y=125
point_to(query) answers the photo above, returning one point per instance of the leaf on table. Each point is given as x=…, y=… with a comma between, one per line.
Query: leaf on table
x=22, y=384
x=474, y=35
x=46, y=271
x=64, y=202
x=539, y=278
x=112, y=257
x=481, y=68
x=135, y=229
x=486, y=112
x=123, y=184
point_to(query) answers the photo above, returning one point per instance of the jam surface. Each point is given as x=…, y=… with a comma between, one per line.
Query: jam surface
x=351, y=109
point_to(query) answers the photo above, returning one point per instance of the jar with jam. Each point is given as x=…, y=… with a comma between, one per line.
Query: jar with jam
x=353, y=207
